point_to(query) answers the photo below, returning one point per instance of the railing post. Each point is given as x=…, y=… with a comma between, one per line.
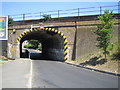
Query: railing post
x=119, y=7
x=100, y=10
x=8, y=20
x=78, y=11
x=8, y=16
x=40, y=15
x=58, y=13
x=23, y=16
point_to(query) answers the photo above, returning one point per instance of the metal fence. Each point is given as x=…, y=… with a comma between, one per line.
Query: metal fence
x=66, y=13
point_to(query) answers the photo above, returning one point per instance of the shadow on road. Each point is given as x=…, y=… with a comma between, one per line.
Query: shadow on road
x=37, y=55
x=94, y=61
x=40, y=56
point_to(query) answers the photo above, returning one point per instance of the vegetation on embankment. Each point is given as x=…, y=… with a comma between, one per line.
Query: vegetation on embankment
x=96, y=60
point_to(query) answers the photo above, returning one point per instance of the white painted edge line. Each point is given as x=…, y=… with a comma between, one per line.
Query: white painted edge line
x=30, y=76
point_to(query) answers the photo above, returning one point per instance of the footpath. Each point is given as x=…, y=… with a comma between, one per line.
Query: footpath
x=15, y=74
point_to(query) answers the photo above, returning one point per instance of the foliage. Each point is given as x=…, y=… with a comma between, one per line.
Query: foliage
x=46, y=16
x=104, y=31
x=34, y=43
x=116, y=54
x=28, y=46
x=10, y=20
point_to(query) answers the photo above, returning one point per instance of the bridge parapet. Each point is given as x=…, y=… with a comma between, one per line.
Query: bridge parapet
x=59, y=22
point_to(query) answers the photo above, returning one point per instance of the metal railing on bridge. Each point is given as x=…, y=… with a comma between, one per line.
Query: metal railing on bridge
x=66, y=13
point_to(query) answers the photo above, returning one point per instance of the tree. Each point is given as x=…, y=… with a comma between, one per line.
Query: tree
x=28, y=46
x=45, y=16
x=104, y=31
x=34, y=43
x=10, y=20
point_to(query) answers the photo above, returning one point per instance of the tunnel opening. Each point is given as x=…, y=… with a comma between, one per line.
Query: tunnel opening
x=31, y=49
x=54, y=45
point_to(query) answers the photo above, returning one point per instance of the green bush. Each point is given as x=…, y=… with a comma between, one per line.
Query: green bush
x=28, y=46
x=34, y=43
x=46, y=16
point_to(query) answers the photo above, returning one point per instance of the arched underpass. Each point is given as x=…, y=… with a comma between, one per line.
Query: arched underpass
x=54, y=43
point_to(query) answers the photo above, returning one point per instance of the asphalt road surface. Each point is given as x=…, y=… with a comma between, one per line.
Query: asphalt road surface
x=34, y=54
x=54, y=74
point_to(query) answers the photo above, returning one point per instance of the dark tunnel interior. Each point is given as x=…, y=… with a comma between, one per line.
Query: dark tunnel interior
x=52, y=46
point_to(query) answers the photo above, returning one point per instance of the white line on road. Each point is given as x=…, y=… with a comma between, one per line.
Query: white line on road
x=30, y=77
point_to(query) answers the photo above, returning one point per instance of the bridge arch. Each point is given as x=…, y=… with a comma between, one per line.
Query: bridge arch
x=54, y=36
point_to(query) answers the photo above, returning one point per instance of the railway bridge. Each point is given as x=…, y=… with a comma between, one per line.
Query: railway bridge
x=65, y=38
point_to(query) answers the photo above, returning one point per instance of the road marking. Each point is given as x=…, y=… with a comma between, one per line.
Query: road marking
x=30, y=77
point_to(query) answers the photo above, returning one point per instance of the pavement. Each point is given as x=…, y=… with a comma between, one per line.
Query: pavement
x=15, y=74
x=0, y=77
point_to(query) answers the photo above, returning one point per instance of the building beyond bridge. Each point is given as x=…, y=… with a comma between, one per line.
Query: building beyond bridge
x=66, y=38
